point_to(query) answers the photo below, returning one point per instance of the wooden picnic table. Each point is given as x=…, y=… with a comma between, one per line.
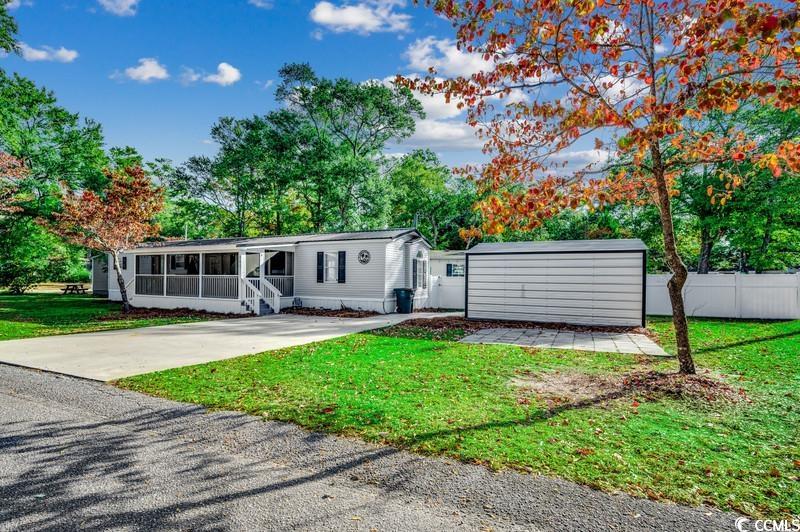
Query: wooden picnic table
x=74, y=289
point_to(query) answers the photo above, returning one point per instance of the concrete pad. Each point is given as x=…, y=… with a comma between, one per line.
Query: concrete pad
x=634, y=344
x=112, y=355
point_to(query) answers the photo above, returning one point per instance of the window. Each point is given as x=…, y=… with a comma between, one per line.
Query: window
x=183, y=264
x=455, y=270
x=221, y=264
x=277, y=264
x=149, y=265
x=419, y=272
x=253, y=265
x=331, y=267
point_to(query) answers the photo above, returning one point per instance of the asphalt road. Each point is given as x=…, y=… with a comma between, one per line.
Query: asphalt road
x=80, y=454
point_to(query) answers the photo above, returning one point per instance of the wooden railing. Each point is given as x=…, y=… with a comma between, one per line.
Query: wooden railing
x=183, y=285
x=149, y=285
x=284, y=283
x=221, y=286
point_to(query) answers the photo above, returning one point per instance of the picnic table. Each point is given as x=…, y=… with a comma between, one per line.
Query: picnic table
x=74, y=289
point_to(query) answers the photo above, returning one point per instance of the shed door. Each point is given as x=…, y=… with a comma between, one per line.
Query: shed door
x=579, y=288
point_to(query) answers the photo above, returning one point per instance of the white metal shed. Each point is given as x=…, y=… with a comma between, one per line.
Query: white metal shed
x=584, y=282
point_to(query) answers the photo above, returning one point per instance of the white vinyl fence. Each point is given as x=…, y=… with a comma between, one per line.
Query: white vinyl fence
x=730, y=295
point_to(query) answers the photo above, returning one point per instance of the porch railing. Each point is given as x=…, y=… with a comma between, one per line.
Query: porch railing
x=221, y=286
x=149, y=285
x=284, y=283
x=183, y=285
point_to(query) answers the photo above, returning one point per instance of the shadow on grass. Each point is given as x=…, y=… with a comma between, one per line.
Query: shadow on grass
x=750, y=341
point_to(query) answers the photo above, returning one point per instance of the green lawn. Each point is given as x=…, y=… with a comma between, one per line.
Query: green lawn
x=30, y=315
x=441, y=397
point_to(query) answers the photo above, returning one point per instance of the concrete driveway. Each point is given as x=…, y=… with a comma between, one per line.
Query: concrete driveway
x=112, y=355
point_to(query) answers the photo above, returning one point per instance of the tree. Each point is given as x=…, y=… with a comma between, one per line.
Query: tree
x=428, y=195
x=351, y=124
x=12, y=171
x=55, y=145
x=118, y=219
x=761, y=215
x=8, y=29
x=635, y=75
x=30, y=255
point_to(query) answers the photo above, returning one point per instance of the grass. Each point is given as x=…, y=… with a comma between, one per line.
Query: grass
x=46, y=314
x=435, y=396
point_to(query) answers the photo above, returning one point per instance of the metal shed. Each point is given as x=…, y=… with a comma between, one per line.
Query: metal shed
x=584, y=282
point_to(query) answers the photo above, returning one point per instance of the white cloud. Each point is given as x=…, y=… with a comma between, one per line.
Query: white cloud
x=435, y=105
x=566, y=163
x=445, y=135
x=46, y=53
x=148, y=69
x=122, y=8
x=264, y=85
x=226, y=75
x=317, y=35
x=581, y=157
x=619, y=89
x=261, y=4
x=368, y=16
x=445, y=57
x=189, y=76
x=16, y=4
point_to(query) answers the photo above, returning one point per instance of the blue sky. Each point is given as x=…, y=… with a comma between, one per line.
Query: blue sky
x=157, y=73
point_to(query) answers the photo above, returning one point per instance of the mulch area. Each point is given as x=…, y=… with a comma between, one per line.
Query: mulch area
x=472, y=326
x=137, y=313
x=328, y=313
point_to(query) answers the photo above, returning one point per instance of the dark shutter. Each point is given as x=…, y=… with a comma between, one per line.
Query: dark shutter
x=124, y=263
x=425, y=274
x=414, y=274
x=320, y=267
x=449, y=270
x=342, y=255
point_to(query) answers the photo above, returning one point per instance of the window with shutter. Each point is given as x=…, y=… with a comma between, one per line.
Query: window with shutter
x=342, y=265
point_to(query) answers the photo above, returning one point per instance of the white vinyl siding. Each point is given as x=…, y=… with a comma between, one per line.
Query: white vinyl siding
x=362, y=280
x=396, y=257
x=593, y=288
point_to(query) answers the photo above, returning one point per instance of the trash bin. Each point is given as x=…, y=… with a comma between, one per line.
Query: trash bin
x=405, y=300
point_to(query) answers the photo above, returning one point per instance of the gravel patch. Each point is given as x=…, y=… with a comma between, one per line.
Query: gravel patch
x=80, y=454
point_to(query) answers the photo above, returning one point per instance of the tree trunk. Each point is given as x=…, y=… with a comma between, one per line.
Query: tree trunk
x=123, y=292
x=675, y=263
x=706, y=245
x=435, y=230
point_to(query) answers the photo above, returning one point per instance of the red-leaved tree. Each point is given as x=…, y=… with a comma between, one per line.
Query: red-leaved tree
x=633, y=83
x=118, y=219
x=12, y=171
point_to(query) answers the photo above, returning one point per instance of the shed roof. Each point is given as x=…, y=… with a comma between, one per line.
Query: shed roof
x=382, y=234
x=559, y=246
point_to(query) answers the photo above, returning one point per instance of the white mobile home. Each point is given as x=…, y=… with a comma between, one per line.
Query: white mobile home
x=586, y=282
x=358, y=270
